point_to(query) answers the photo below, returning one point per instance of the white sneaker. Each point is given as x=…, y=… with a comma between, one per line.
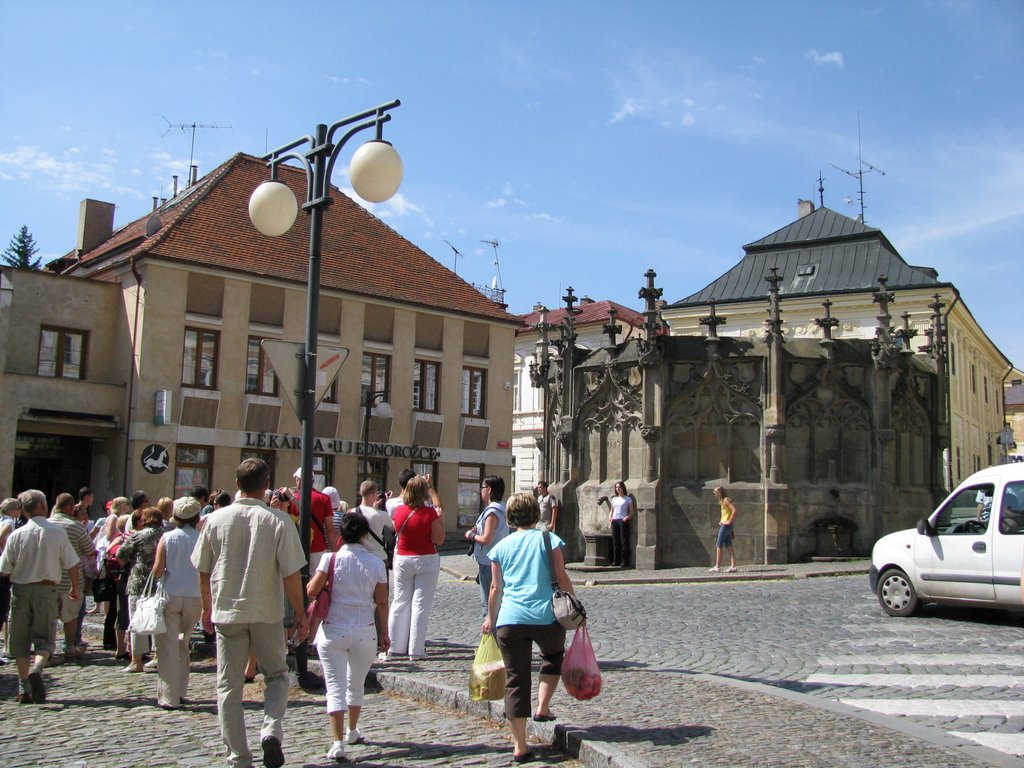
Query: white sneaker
x=150, y=666
x=337, y=751
x=714, y=569
x=353, y=736
x=382, y=656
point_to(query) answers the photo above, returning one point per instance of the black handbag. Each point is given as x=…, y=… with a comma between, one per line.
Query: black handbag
x=388, y=544
x=104, y=590
x=569, y=611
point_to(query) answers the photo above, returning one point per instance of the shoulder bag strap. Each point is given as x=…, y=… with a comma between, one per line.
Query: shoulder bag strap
x=330, y=572
x=551, y=559
x=147, y=588
x=402, y=526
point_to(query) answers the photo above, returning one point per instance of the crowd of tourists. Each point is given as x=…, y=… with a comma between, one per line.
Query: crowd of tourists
x=232, y=567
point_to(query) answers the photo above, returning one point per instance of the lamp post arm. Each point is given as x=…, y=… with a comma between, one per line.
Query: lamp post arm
x=336, y=151
x=375, y=112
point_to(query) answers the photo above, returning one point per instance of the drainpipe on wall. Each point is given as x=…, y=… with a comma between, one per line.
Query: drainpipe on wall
x=132, y=376
x=1006, y=448
x=949, y=395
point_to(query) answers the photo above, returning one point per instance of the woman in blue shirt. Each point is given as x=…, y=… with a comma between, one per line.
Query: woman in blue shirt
x=520, y=614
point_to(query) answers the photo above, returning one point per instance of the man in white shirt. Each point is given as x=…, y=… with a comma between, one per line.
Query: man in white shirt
x=394, y=502
x=377, y=518
x=249, y=558
x=36, y=557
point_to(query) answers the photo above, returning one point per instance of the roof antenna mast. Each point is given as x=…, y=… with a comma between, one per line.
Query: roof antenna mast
x=862, y=167
x=496, y=283
x=190, y=126
x=495, y=292
x=458, y=256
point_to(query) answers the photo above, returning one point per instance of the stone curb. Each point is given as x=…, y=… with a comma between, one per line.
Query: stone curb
x=566, y=738
x=572, y=739
x=681, y=579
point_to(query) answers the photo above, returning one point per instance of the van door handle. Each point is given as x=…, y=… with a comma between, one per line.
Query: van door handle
x=978, y=546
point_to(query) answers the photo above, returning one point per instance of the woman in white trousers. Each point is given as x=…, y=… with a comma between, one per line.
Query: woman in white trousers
x=347, y=641
x=420, y=529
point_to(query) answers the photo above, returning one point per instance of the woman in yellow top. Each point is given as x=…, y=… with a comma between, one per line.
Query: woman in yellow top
x=725, y=534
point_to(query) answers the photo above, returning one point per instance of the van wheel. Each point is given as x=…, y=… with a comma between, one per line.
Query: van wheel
x=896, y=594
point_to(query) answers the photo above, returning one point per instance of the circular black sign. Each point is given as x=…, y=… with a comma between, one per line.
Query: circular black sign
x=154, y=459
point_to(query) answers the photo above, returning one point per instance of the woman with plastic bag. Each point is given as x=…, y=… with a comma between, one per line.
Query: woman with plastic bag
x=519, y=613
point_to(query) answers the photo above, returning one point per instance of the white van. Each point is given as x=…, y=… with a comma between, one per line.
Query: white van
x=969, y=551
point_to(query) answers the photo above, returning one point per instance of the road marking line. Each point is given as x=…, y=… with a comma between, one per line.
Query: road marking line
x=1012, y=743
x=908, y=680
x=940, y=707
x=925, y=659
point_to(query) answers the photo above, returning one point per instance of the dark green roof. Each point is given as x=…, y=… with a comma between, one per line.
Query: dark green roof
x=823, y=253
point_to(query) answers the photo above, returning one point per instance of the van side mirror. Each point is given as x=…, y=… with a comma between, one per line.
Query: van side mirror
x=925, y=528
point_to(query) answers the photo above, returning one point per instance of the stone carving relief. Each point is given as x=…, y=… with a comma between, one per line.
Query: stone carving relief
x=829, y=430
x=712, y=426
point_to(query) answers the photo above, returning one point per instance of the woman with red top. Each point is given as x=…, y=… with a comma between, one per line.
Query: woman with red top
x=420, y=527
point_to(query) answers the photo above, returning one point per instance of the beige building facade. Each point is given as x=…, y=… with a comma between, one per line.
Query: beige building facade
x=175, y=386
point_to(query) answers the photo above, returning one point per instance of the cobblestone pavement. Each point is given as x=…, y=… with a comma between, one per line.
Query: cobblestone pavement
x=737, y=673
x=825, y=637
x=96, y=716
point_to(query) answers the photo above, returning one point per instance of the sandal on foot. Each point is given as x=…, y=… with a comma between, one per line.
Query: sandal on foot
x=544, y=718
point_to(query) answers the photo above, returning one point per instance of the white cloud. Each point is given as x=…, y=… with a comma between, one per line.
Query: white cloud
x=62, y=175
x=499, y=202
x=832, y=57
x=628, y=109
x=398, y=205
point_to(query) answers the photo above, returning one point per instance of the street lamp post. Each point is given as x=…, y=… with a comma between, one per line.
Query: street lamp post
x=383, y=410
x=375, y=172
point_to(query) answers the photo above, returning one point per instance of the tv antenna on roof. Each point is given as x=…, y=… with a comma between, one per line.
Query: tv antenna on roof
x=862, y=167
x=495, y=292
x=458, y=256
x=190, y=126
x=497, y=267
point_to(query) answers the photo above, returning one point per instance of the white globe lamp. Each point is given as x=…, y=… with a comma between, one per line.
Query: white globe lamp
x=272, y=208
x=375, y=171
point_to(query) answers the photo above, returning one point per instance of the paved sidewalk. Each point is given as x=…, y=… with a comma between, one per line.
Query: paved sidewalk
x=420, y=715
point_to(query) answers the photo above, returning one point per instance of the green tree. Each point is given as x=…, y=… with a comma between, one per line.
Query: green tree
x=20, y=251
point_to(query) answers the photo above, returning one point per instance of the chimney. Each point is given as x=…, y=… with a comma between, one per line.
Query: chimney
x=804, y=208
x=156, y=204
x=175, y=177
x=95, y=224
x=193, y=175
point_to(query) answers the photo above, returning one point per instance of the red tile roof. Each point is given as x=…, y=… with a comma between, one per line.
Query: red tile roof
x=209, y=225
x=590, y=312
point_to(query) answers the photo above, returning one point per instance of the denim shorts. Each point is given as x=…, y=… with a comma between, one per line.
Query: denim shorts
x=725, y=536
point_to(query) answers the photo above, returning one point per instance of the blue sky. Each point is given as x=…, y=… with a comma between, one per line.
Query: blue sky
x=591, y=140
